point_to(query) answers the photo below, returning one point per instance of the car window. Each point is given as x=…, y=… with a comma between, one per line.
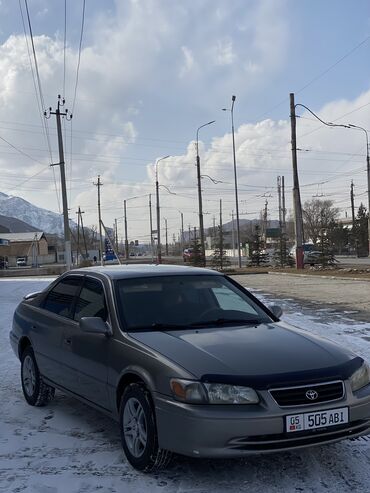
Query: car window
x=60, y=299
x=91, y=301
x=230, y=300
x=183, y=301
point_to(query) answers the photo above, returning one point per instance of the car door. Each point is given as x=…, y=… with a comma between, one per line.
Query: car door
x=86, y=355
x=49, y=321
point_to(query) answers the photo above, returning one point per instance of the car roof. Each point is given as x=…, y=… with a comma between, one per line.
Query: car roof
x=144, y=270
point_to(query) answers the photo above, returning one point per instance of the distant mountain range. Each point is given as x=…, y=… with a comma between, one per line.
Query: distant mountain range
x=20, y=214
x=13, y=225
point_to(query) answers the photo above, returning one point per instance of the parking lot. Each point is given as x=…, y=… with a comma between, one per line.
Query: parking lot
x=69, y=447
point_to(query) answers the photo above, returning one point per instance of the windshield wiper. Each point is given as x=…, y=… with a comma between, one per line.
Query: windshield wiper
x=157, y=326
x=225, y=321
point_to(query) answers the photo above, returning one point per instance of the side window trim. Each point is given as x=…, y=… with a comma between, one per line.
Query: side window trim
x=54, y=285
x=89, y=277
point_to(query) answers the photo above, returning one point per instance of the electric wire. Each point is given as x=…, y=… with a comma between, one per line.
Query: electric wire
x=64, y=48
x=317, y=77
x=79, y=55
x=39, y=93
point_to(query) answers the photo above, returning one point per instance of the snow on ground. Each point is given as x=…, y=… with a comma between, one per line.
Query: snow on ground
x=68, y=447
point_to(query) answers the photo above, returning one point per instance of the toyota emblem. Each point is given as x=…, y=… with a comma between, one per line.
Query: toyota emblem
x=312, y=395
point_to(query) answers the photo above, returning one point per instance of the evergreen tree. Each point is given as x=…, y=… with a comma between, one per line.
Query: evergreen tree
x=196, y=259
x=256, y=247
x=219, y=258
x=361, y=232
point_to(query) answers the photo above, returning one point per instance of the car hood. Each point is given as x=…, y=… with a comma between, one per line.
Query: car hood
x=262, y=355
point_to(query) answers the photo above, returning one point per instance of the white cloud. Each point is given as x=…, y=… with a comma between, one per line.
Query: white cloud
x=188, y=62
x=222, y=53
x=142, y=63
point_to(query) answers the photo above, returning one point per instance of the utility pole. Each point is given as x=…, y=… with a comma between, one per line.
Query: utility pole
x=265, y=220
x=125, y=224
x=116, y=234
x=165, y=222
x=279, y=202
x=78, y=235
x=200, y=206
x=182, y=232
x=189, y=234
x=298, y=219
x=236, y=185
x=214, y=232
x=83, y=231
x=353, y=207
x=99, y=184
x=221, y=238
x=151, y=226
x=232, y=233
x=280, y=220
x=195, y=233
x=283, y=204
x=61, y=164
x=283, y=220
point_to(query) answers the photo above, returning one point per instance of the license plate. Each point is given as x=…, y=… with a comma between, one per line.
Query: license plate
x=317, y=419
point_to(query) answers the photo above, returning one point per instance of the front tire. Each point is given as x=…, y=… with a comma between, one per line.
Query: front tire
x=139, y=431
x=35, y=390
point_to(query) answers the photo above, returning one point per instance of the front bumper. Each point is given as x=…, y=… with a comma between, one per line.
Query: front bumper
x=236, y=431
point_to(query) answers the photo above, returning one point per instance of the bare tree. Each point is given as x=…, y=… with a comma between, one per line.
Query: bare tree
x=318, y=217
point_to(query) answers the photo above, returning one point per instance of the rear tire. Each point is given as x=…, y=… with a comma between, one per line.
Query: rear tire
x=35, y=390
x=139, y=431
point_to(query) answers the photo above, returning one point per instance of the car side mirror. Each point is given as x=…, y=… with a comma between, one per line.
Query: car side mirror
x=276, y=310
x=30, y=296
x=95, y=325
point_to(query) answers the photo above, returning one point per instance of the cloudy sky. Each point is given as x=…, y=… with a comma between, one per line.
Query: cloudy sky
x=152, y=71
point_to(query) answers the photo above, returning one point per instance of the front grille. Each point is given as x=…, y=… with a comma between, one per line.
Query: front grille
x=298, y=396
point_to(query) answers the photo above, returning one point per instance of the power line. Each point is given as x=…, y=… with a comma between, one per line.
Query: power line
x=20, y=151
x=64, y=47
x=317, y=77
x=79, y=55
x=40, y=94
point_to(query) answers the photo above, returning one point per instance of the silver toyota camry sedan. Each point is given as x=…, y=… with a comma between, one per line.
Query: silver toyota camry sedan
x=187, y=361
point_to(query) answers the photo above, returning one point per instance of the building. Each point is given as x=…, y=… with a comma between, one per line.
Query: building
x=32, y=246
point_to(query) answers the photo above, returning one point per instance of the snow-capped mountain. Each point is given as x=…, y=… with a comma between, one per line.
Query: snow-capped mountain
x=41, y=219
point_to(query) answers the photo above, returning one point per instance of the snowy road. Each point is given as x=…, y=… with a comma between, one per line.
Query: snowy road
x=69, y=448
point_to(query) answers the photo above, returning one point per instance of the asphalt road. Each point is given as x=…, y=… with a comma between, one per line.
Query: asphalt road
x=346, y=295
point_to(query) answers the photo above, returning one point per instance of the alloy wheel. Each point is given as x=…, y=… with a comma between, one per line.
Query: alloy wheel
x=29, y=375
x=135, y=427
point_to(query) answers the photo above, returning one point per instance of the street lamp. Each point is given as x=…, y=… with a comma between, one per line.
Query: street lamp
x=201, y=229
x=159, y=253
x=235, y=181
x=368, y=179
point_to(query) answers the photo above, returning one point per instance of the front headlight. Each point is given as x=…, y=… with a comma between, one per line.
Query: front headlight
x=219, y=393
x=188, y=391
x=360, y=378
x=194, y=392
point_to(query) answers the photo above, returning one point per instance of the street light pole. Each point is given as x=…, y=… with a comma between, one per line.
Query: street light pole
x=159, y=253
x=236, y=184
x=201, y=228
x=368, y=180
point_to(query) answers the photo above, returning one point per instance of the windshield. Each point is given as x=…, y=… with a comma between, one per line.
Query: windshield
x=162, y=303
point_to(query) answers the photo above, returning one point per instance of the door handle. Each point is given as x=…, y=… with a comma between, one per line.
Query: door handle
x=68, y=342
